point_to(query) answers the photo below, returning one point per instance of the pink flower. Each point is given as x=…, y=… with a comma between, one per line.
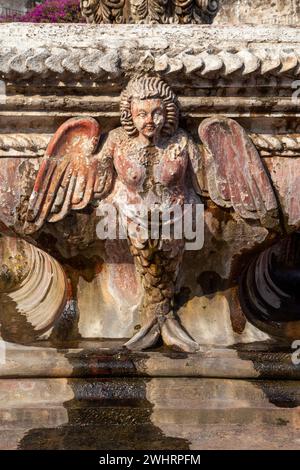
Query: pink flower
x=52, y=11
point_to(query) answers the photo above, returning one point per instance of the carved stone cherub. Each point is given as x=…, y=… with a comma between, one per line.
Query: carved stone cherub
x=149, y=160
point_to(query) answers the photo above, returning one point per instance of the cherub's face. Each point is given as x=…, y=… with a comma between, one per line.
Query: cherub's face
x=148, y=116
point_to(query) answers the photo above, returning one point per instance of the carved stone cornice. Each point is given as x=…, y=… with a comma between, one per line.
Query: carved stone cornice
x=71, y=62
x=150, y=11
x=105, y=53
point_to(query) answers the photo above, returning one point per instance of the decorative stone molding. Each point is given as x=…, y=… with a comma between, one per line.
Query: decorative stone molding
x=34, y=145
x=149, y=11
x=66, y=54
x=281, y=145
x=71, y=62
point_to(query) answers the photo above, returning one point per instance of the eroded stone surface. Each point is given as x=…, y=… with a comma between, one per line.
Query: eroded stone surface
x=285, y=12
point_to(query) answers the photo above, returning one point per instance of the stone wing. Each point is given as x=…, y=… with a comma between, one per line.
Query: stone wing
x=70, y=175
x=235, y=174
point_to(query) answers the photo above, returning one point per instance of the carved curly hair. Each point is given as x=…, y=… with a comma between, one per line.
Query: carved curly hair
x=144, y=88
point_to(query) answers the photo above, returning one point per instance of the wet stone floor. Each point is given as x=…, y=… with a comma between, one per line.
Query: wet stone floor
x=155, y=413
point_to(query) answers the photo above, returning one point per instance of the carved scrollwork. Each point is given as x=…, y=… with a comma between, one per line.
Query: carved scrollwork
x=269, y=289
x=103, y=11
x=32, y=290
x=183, y=11
x=195, y=11
x=205, y=10
x=149, y=11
